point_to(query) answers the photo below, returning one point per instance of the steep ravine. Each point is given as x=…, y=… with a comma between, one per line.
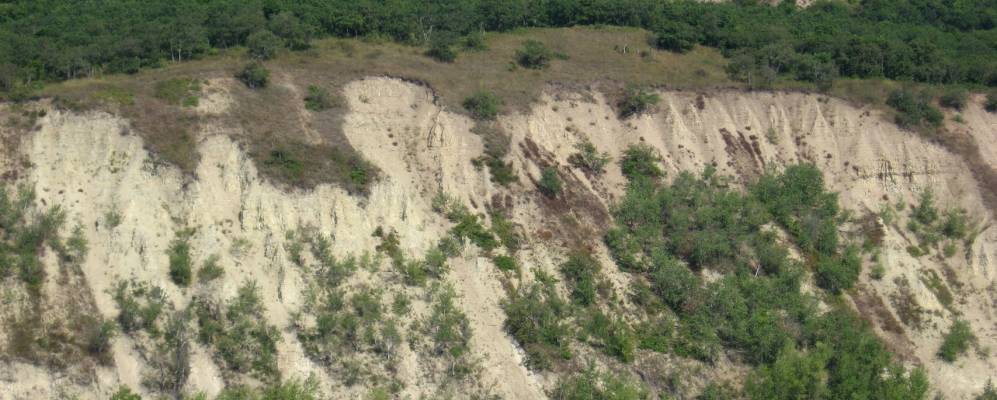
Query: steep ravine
x=90, y=165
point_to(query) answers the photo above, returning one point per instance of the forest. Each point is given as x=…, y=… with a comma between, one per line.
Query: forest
x=930, y=41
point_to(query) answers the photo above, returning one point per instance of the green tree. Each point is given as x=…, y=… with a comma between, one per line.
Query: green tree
x=287, y=26
x=263, y=45
x=254, y=75
x=534, y=55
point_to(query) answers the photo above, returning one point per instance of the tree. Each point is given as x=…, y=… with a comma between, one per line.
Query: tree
x=287, y=26
x=676, y=36
x=263, y=45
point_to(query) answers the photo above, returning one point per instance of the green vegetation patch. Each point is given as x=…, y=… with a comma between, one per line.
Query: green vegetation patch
x=238, y=333
x=179, y=91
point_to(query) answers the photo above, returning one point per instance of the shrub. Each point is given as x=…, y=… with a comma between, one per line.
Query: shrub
x=550, y=183
x=613, y=335
x=990, y=104
x=913, y=109
x=793, y=375
x=441, y=48
x=482, y=105
x=640, y=160
x=254, y=75
x=450, y=331
x=238, y=332
x=956, y=341
x=675, y=36
x=125, y=393
x=954, y=98
x=592, y=384
x=536, y=318
x=637, y=100
x=210, y=270
x=588, y=157
x=318, y=98
x=139, y=306
x=475, y=41
x=534, y=55
x=180, y=262
x=98, y=337
x=581, y=276
x=835, y=274
x=263, y=44
x=989, y=392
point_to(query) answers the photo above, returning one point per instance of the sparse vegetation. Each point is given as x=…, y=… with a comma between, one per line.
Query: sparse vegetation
x=914, y=109
x=594, y=384
x=537, y=318
x=588, y=158
x=237, y=331
x=957, y=341
x=210, y=270
x=318, y=98
x=637, y=100
x=954, y=98
x=181, y=270
x=990, y=104
x=178, y=91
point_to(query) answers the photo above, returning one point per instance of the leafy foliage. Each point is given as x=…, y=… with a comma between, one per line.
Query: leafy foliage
x=254, y=75
x=593, y=384
x=667, y=234
x=536, y=317
x=930, y=41
x=956, y=341
x=550, y=182
x=24, y=234
x=318, y=98
x=640, y=160
x=637, y=100
x=238, y=332
x=914, y=109
x=534, y=55
x=954, y=98
x=482, y=105
x=588, y=158
x=181, y=272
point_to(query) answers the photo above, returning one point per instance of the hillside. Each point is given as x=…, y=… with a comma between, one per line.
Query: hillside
x=357, y=227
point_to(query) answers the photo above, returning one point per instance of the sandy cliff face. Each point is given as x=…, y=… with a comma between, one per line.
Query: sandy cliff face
x=90, y=164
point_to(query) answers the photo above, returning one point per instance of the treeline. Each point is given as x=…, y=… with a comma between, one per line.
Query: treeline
x=933, y=41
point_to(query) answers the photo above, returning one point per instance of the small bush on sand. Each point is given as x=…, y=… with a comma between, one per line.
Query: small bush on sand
x=254, y=75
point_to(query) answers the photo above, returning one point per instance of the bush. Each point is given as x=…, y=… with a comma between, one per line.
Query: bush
x=441, y=48
x=482, y=105
x=640, y=160
x=180, y=262
x=582, y=277
x=637, y=100
x=263, y=44
x=210, y=270
x=550, y=183
x=592, y=384
x=991, y=102
x=913, y=109
x=317, y=99
x=238, y=332
x=475, y=41
x=953, y=98
x=588, y=157
x=534, y=55
x=139, y=306
x=956, y=341
x=254, y=75
x=536, y=318
x=836, y=274
x=125, y=393
x=675, y=36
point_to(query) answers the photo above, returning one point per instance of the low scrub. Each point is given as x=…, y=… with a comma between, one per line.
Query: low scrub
x=237, y=331
x=536, y=316
x=637, y=100
x=914, y=109
x=957, y=341
x=254, y=75
x=534, y=55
